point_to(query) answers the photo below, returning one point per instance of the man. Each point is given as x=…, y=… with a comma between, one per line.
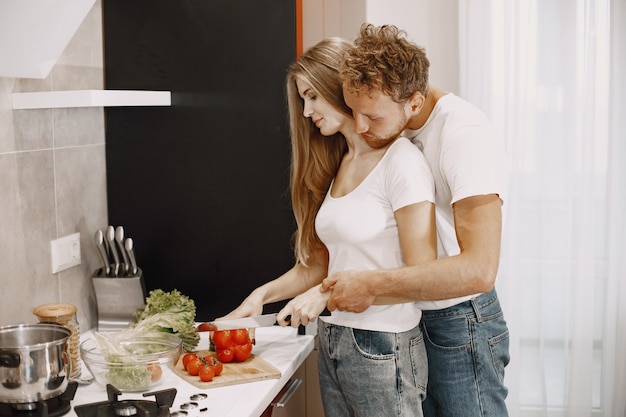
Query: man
x=385, y=82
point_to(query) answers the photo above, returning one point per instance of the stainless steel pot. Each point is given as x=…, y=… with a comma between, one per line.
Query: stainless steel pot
x=33, y=362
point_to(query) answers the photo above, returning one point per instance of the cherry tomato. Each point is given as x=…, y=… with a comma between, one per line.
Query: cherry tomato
x=242, y=352
x=206, y=373
x=186, y=357
x=206, y=327
x=212, y=360
x=225, y=355
x=239, y=336
x=194, y=365
x=222, y=339
x=218, y=367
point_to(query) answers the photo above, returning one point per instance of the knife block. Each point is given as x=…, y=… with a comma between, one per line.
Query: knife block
x=118, y=299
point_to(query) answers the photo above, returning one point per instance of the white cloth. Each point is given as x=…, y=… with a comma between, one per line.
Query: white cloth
x=361, y=233
x=466, y=159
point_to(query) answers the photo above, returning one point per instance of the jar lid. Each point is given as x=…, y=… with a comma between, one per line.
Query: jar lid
x=55, y=312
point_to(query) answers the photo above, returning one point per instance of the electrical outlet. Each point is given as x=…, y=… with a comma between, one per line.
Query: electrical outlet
x=65, y=252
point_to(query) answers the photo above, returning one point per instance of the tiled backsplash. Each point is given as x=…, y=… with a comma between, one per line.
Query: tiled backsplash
x=52, y=184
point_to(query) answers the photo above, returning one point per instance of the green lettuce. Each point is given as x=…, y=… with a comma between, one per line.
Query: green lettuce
x=170, y=312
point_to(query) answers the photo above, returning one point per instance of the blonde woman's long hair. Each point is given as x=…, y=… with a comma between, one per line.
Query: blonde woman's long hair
x=315, y=158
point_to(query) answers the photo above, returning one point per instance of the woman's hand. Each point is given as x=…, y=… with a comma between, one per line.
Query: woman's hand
x=303, y=309
x=251, y=306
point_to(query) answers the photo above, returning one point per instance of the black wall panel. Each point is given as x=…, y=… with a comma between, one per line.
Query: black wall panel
x=202, y=186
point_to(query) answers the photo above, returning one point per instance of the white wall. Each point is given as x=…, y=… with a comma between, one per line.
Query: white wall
x=431, y=24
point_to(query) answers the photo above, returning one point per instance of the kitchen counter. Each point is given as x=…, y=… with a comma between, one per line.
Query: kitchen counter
x=282, y=347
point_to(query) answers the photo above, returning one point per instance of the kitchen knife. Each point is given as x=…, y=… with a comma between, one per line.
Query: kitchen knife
x=246, y=322
x=128, y=245
x=263, y=320
x=110, y=236
x=103, y=252
x=119, y=238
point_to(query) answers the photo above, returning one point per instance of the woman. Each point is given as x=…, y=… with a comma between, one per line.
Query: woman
x=359, y=203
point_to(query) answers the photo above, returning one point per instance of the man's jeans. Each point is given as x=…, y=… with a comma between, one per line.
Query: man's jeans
x=365, y=373
x=468, y=348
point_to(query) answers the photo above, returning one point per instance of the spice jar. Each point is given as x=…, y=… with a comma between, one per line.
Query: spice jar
x=65, y=315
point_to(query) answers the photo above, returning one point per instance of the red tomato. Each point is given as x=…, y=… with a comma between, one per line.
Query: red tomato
x=194, y=366
x=239, y=336
x=206, y=373
x=222, y=339
x=206, y=327
x=242, y=352
x=187, y=357
x=225, y=355
x=218, y=367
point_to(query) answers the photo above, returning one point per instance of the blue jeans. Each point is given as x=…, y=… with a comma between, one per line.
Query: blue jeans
x=468, y=348
x=366, y=373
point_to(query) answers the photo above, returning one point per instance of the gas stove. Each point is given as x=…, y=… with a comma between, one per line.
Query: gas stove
x=52, y=407
x=114, y=406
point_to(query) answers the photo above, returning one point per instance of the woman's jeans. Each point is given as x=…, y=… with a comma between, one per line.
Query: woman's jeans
x=366, y=373
x=468, y=348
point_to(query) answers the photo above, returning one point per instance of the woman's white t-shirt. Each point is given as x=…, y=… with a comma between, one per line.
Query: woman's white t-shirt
x=361, y=233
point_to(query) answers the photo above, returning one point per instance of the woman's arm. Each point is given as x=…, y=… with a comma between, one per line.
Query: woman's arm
x=297, y=280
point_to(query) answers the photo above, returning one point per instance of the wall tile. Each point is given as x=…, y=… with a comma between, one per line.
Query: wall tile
x=28, y=223
x=81, y=207
x=79, y=126
x=52, y=183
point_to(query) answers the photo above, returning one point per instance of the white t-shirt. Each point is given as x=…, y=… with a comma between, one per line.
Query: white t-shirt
x=466, y=159
x=361, y=233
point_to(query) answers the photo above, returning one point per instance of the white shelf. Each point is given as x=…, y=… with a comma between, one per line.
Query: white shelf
x=90, y=98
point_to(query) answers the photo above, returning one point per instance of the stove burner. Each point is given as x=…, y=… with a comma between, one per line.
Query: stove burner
x=52, y=407
x=129, y=408
x=124, y=408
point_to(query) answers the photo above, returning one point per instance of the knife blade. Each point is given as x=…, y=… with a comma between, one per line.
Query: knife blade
x=263, y=320
x=246, y=322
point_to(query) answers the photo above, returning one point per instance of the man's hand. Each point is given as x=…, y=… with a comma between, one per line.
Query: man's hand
x=350, y=291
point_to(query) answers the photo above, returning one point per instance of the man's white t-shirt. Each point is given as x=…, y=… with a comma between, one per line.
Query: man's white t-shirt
x=361, y=233
x=466, y=159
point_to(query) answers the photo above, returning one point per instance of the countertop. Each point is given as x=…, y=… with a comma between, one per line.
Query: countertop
x=282, y=347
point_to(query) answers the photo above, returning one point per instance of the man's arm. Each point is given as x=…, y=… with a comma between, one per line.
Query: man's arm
x=478, y=225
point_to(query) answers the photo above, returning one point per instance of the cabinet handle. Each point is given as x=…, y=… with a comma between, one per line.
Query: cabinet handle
x=291, y=389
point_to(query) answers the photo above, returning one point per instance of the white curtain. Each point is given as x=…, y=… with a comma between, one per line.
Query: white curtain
x=551, y=76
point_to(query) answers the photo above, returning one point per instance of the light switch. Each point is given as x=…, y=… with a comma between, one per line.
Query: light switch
x=65, y=252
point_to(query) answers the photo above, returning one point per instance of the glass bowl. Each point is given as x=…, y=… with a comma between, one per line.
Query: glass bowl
x=131, y=361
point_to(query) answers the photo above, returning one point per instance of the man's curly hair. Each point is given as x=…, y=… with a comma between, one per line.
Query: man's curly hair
x=382, y=59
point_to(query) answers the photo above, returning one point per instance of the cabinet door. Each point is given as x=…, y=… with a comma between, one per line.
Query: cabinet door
x=291, y=400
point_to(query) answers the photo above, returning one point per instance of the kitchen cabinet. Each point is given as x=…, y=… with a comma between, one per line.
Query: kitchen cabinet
x=314, y=406
x=306, y=400
x=291, y=400
x=202, y=185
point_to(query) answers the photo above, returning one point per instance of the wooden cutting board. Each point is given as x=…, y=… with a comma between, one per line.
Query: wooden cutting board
x=253, y=369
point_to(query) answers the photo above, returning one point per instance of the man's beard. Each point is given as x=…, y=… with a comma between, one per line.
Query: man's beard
x=384, y=141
